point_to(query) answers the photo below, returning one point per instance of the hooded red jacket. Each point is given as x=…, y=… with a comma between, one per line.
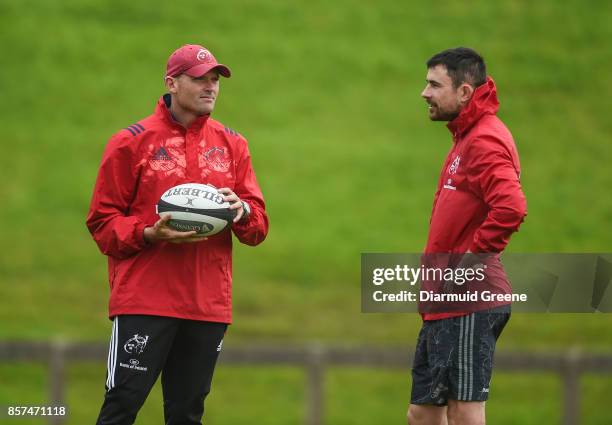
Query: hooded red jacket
x=479, y=202
x=192, y=280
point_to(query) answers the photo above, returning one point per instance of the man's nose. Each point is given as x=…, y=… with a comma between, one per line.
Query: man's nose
x=425, y=93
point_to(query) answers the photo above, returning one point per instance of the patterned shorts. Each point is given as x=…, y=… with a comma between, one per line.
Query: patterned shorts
x=454, y=357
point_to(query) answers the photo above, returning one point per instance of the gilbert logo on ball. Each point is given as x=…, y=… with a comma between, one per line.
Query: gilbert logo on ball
x=196, y=206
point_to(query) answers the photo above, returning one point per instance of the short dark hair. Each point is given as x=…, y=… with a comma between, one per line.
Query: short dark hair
x=464, y=65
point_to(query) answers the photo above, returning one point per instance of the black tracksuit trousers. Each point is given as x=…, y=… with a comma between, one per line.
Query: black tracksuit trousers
x=183, y=351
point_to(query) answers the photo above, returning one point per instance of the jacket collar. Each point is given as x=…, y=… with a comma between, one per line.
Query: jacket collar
x=163, y=111
x=484, y=101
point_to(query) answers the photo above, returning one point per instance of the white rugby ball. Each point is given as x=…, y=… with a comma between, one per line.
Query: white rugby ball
x=196, y=206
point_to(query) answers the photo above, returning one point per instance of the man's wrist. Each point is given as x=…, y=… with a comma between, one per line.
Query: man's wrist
x=246, y=211
x=147, y=235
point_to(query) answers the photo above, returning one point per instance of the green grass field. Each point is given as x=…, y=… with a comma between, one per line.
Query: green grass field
x=328, y=96
x=275, y=396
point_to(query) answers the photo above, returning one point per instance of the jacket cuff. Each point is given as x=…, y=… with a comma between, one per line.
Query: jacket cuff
x=139, y=235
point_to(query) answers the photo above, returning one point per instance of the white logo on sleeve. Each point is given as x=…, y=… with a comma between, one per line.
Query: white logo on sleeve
x=449, y=185
x=455, y=165
x=452, y=169
x=220, y=346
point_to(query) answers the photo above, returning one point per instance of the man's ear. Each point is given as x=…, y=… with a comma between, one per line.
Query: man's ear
x=171, y=84
x=465, y=93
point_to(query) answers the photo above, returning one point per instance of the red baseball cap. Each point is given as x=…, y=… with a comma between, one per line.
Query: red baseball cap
x=195, y=61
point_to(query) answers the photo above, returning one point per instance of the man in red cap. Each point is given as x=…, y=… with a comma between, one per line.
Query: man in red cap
x=170, y=291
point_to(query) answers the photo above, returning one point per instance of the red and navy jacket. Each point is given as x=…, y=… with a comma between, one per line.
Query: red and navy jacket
x=479, y=201
x=190, y=280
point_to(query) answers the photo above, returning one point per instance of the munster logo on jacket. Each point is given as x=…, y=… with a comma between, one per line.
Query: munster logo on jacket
x=455, y=165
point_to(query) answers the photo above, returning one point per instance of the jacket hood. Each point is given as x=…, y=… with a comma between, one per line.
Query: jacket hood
x=484, y=101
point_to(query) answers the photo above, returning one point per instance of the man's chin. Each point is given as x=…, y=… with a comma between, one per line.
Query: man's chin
x=433, y=116
x=204, y=111
x=205, y=108
x=433, y=113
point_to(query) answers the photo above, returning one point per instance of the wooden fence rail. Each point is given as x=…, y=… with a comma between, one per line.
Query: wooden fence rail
x=315, y=358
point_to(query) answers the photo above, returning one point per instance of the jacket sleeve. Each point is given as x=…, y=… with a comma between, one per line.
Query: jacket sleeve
x=117, y=233
x=492, y=169
x=252, y=230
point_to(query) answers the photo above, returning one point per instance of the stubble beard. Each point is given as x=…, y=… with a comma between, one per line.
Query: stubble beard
x=441, y=115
